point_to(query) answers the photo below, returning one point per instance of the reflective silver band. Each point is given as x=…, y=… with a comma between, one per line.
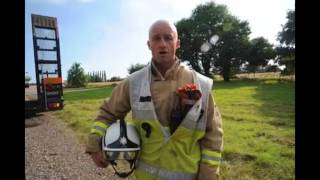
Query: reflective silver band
x=192, y=120
x=165, y=174
x=100, y=128
x=140, y=87
x=203, y=156
x=143, y=114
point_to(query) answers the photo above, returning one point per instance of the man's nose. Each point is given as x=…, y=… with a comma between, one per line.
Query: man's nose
x=163, y=42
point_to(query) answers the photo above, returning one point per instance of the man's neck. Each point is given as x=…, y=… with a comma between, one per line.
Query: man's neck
x=162, y=68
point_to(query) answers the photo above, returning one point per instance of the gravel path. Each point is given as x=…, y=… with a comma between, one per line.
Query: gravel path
x=52, y=151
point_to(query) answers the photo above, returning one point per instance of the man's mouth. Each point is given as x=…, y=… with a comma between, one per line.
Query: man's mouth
x=163, y=52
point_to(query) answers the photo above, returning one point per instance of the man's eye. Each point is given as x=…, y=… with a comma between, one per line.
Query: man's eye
x=157, y=38
x=168, y=38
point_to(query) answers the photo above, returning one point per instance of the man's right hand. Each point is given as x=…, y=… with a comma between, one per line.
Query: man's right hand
x=99, y=160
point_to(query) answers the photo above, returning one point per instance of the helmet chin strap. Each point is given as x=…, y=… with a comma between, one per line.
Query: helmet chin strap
x=126, y=144
x=123, y=174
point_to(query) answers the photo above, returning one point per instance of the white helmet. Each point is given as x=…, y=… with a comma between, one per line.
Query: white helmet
x=121, y=146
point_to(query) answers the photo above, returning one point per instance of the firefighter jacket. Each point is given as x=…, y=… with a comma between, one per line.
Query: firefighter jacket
x=192, y=151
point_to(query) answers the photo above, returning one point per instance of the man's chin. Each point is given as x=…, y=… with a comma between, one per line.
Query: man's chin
x=164, y=59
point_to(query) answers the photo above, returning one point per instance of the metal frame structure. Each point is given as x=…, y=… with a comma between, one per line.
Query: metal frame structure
x=49, y=89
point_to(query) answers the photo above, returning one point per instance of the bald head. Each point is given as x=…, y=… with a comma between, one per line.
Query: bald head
x=163, y=43
x=163, y=23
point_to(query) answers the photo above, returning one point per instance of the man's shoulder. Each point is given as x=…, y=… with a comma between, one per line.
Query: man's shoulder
x=138, y=73
x=203, y=77
x=188, y=70
x=185, y=69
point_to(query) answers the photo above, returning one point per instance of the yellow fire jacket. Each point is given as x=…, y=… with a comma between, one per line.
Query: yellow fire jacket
x=162, y=90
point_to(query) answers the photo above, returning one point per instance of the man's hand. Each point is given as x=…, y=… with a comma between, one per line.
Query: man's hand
x=98, y=159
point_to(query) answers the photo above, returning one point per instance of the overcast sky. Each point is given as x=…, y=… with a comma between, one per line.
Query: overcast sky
x=112, y=35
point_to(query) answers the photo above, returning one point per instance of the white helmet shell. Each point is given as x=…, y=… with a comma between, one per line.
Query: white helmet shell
x=121, y=143
x=113, y=135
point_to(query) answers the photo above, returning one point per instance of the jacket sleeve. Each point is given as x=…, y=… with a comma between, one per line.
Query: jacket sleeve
x=211, y=144
x=116, y=107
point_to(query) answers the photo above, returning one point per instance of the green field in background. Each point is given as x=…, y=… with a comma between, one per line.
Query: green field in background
x=258, y=122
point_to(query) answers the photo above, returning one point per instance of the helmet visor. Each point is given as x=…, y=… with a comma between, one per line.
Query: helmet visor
x=121, y=155
x=123, y=162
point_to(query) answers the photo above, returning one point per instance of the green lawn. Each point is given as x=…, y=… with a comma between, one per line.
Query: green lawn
x=258, y=122
x=87, y=94
x=259, y=129
x=81, y=108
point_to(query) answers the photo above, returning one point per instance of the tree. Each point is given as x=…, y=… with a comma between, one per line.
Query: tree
x=259, y=54
x=286, y=50
x=115, y=78
x=135, y=67
x=287, y=35
x=104, y=76
x=97, y=76
x=212, y=39
x=272, y=68
x=76, y=76
x=233, y=48
x=27, y=78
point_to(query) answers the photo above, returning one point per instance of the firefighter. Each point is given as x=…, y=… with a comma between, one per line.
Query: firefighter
x=175, y=115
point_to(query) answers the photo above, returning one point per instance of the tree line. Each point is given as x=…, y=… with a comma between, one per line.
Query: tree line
x=78, y=78
x=97, y=76
x=215, y=42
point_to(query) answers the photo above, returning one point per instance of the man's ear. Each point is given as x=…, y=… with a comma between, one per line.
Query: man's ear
x=148, y=43
x=178, y=44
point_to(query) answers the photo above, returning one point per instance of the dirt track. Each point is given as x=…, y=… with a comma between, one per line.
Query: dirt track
x=52, y=151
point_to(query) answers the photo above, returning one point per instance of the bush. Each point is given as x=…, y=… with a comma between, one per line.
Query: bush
x=135, y=67
x=26, y=81
x=115, y=78
x=76, y=76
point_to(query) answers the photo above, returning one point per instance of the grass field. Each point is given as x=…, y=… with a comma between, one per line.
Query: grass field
x=259, y=129
x=258, y=122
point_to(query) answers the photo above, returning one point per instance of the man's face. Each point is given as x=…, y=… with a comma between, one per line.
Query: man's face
x=163, y=43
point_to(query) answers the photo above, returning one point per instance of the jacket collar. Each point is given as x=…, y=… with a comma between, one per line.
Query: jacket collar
x=157, y=76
